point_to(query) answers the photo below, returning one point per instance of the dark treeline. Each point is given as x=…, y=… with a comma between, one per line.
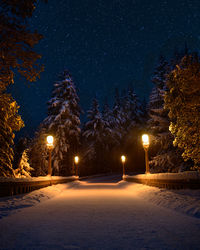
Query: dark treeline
x=111, y=131
x=108, y=133
x=171, y=118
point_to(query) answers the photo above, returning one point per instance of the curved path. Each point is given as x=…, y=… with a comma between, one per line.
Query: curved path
x=97, y=214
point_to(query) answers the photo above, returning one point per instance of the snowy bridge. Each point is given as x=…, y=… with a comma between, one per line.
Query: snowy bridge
x=101, y=213
x=14, y=186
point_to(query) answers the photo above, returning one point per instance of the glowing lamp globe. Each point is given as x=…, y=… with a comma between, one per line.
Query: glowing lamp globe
x=145, y=140
x=50, y=141
x=123, y=158
x=76, y=159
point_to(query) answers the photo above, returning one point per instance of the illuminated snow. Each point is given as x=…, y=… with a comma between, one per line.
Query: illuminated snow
x=93, y=215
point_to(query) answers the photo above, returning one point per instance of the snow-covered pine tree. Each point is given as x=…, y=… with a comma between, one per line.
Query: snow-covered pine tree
x=127, y=112
x=24, y=169
x=19, y=148
x=94, y=137
x=118, y=117
x=133, y=109
x=38, y=153
x=109, y=127
x=183, y=102
x=106, y=112
x=10, y=121
x=93, y=128
x=164, y=156
x=133, y=124
x=159, y=121
x=63, y=122
x=144, y=110
x=111, y=139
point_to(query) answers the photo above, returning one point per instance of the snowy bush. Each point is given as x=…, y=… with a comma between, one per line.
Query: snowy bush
x=24, y=169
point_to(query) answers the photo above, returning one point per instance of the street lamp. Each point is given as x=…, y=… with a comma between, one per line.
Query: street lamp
x=50, y=148
x=76, y=161
x=123, y=159
x=145, y=141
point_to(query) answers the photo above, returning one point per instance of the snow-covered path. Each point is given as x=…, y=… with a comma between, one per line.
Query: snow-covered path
x=83, y=215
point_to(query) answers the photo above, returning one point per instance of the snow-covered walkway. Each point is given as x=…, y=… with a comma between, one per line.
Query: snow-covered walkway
x=94, y=215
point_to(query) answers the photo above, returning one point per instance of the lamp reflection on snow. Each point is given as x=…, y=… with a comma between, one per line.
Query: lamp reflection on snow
x=145, y=141
x=123, y=159
x=50, y=148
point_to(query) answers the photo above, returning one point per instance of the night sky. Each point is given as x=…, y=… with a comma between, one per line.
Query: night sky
x=104, y=44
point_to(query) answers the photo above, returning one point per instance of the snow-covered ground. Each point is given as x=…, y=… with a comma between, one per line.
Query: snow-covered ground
x=100, y=214
x=34, y=179
x=187, y=175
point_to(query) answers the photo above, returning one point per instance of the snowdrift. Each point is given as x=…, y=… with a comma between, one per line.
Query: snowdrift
x=187, y=179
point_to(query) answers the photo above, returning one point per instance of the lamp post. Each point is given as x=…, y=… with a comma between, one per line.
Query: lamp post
x=76, y=161
x=145, y=141
x=50, y=148
x=123, y=159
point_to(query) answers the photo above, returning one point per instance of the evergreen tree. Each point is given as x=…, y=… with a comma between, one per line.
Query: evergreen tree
x=10, y=121
x=110, y=139
x=38, y=153
x=159, y=121
x=133, y=110
x=110, y=132
x=165, y=157
x=19, y=148
x=24, y=169
x=134, y=123
x=17, y=42
x=183, y=101
x=118, y=117
x=16, y=56
x=63, y=122
x=94, y=138
x=144, y=109
x=107, y=135
x=94, y=127
x=127, y=113
x=106, y=112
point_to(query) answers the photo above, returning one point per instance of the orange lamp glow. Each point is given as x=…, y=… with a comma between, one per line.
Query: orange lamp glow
x=123, y=158
x=76, y=159
x=50, y=141
x=145, y=140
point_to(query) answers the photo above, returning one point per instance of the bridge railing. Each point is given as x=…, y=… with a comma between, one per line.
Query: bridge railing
x=19, y=186
x=183, y=180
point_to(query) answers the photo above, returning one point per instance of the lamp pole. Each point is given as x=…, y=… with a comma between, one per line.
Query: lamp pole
x=146, y=160
x=50, y=148
x=49, y=163
x=145, y=141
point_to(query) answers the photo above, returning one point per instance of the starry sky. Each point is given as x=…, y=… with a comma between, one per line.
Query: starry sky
x=104, y=44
